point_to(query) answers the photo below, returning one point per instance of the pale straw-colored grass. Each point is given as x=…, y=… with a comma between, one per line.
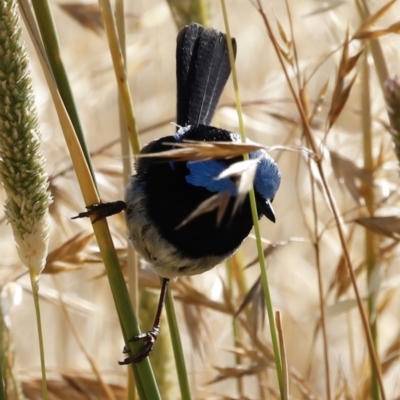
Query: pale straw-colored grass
x=324, y=52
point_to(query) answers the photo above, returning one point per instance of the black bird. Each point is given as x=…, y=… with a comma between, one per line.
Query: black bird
x=163, y=194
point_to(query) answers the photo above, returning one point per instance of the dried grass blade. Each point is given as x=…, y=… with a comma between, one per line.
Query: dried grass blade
x=236, y=372
x=242, y=173
x=219, y=201
x=347, y=172
x=86, y=14
x=254, y=297
x=283, y=355
x=286, y=53
x=339, y=103
x=71, y=247
x=392, y=354
x=387, y=226
x=271, y=248
x=304, y=98
x=282, y=33
x=190, y=295
x=191, y=151
x=371, y=35
x=373, y=18
x=394, y=28
x=351, y=62
x=374, y=34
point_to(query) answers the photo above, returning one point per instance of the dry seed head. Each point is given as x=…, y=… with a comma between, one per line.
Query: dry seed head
x=22, y=166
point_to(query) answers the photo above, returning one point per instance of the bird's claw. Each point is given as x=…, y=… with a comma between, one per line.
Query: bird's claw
x=148, y=338
x=102, y=210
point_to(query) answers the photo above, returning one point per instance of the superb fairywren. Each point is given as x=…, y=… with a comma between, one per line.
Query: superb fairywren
x=162, y=194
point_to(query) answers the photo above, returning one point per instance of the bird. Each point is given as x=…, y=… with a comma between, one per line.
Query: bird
x=162, y=194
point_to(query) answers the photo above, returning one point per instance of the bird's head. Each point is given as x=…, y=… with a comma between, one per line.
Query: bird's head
x=266, y=182
x=205, y=173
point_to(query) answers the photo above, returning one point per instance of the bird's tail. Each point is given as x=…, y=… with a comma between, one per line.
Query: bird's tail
x=202, y=69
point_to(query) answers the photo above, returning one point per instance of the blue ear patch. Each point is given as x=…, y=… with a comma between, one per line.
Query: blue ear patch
x=203, y=173
x=268, y=176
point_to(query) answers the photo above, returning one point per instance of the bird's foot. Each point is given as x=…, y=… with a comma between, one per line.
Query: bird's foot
x=148, y=338
x=102, y=210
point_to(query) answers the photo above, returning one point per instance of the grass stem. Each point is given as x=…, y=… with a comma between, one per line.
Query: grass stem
x=260, y=250
x=177, y=347
x=366, y=123
x=35, y=293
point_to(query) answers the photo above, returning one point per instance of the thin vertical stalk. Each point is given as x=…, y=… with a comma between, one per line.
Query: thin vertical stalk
x=132, y=272
x=177, y=347
x=231, y=266
x=369, y=202
x=260, y=250
x=120, y=74
x=376, y=51
x=2, y=380
x=35, y=294
x=320, y=291
x=50, y=40
x=285, y=369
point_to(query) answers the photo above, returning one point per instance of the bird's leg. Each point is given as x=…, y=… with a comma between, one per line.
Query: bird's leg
x=149, y=337
x=102, y=210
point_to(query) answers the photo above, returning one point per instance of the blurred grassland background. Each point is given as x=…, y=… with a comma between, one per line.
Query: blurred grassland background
x=74, y=280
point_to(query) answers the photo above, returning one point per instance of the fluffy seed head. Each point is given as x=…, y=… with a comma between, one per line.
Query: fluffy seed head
x=22, y=166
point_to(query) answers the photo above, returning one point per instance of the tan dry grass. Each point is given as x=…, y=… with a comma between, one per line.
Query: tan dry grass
x=325, y=69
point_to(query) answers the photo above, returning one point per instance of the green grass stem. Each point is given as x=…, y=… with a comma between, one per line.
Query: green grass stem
x=177, y=347
x=2, y=380
x=35, y=293
x=236, y=332
x=185, y=12
x=50, y=40
x=260, y=250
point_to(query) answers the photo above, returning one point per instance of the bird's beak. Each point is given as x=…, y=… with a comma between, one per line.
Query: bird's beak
x=266, y=208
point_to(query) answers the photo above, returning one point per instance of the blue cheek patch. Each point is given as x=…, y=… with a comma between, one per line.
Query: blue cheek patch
x=203, y=173
x=268, y=177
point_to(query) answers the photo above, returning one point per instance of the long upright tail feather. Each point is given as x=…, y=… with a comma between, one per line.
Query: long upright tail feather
x=202, y=69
